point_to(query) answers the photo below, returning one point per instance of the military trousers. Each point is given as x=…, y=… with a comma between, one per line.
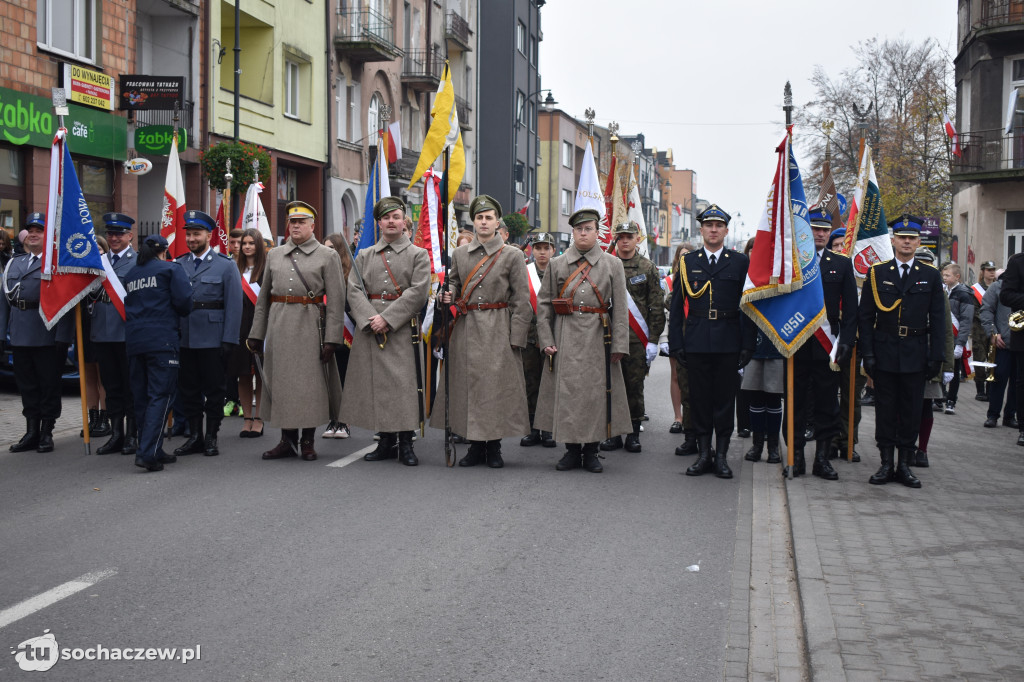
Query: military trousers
x=534, y=363
x=114, y=375
x=898, y=400
x=683, y=382
x=634, y=372
x=201, y=383
x=37, y=372
x=713, y=392
x=154, y=377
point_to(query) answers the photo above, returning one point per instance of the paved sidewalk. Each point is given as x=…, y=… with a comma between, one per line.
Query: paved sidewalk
x=903, y=584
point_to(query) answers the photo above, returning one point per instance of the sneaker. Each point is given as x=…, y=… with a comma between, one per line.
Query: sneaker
x=376, y=436
x=330, y=431
x=950, y=408
x=230, y=407
x=342, y=431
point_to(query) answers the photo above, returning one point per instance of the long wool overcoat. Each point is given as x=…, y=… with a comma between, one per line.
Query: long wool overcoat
x=297, y=380
x=572, y=403
x=381, y=392
x=488, y=392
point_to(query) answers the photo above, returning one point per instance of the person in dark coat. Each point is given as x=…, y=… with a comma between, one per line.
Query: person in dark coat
x=1012, y=296
x=252, y=257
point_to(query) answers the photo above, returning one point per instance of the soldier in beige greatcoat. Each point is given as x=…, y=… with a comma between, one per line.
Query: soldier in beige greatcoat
x=396, y=276
x=304, y=388
x=487, y=400
x=572, y=402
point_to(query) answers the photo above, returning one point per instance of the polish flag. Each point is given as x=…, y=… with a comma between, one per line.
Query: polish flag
x=219, y=238
x=951, y=133
x=172, y=226
x=526, y=207
x=394, y=142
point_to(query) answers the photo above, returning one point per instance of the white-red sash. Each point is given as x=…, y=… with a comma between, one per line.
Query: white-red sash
x=350, y=328
x=251, y=290
x=827, y=340
x=966, y=357
x=978, y=291
x=636, y=321
x=112, y=284
x=531, y=270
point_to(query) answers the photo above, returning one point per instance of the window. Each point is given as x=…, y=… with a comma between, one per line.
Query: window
x=373, y=114
x=568, y=154
x=520, y=172
x=291, y=89
x=521, y=38
x=97, y=181
x=566, y=201
x=1018, y=69
x=68, y=27
x=341, y=104
x=532, y=115
x=520, y=102
x=533, y=50
x=531, y=187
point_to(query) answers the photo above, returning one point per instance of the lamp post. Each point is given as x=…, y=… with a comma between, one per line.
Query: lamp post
x=549, y=105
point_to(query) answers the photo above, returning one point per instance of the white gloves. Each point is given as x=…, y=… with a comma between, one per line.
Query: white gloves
x=958, y=352
x=664, y=349
x=947, y=377
x=652, y=352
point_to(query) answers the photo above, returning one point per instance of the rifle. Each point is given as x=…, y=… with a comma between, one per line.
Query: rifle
x=382, y=338
x=419, y=370
x=607, y=373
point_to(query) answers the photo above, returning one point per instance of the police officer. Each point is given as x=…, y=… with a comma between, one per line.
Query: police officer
x=902, y=336
x=207, y=334
x=107, y=335
x=709, y=339
x=158, y=296
x=811, y=362
x=647, y=310
x=39, y=354
x=534, y=362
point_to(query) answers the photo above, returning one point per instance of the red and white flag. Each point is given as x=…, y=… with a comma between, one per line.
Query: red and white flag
x=394, y=142
x=172, y=226
x=526, y=207
x=430, y=232
x=951, y=133
x=253, y=216
x=219, y=238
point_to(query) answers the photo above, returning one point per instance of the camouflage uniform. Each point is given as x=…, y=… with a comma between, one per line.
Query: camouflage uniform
x=980, y=349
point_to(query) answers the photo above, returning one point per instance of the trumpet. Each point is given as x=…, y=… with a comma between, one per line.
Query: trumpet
x=1017, y=321
x=991, y=359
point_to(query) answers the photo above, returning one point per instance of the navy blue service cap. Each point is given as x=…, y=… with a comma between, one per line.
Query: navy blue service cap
x=906, y=226
x=118, y=222
x=156, y=240
x=36, y=219
x=199, y=220
x=819, y=216
x=712, y=212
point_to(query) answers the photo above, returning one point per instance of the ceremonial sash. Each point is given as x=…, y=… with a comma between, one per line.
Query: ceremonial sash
x=636, y=321
x=251, y=290
x=114, y=288
x=350, y=328
x=827, y=341
x=978, y=291
x=966, y=357
x=531, y=270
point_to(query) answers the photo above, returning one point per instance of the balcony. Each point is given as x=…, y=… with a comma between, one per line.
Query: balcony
x=155, y=117
x=462, y=108
x=405, y=166
x=989, y=155
x=422, y=70
x=1000, y=13
x=456, y=30
x=365, y=36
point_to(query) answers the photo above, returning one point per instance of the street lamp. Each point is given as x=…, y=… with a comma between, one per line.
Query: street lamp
x=549, y=105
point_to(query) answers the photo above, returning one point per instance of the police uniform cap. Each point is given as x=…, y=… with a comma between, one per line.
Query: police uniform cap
x=988, y=265
x=300, y=209
x=906, y=226
x=544, y=238
x=713, y=212
x=819, y=216
x=118, y=222
x=582, y=215
x=629, y=227
x=924, y=254
x=155, y=240
x=199, y=220
x=387, y=205
x=36, y=219
x=484, y=202
x=839, y=232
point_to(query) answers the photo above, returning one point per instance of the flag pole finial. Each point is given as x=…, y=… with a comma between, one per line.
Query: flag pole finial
x=60, y=105
x=590, y=114
x=827, y=127
x=787, y=103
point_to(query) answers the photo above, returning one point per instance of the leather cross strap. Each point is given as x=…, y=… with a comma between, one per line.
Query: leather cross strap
x=469, y=285
x=388, y=268
x=309, y=292
x=565, y=285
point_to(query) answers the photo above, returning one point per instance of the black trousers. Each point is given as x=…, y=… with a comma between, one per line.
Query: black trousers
x=202, y=376
x=1018, y=357
x=1004, y=386
x=713, y=392
x=898, y=399
x=113, y=361
x=817, y=393
x=37, y=371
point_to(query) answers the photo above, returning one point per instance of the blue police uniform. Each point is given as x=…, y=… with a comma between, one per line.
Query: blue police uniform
x=39, y=353
x=107, y=335
x=158, y=296
x=208, y=331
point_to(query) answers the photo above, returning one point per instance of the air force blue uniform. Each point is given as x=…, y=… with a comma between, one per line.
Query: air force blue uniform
x=158, y=296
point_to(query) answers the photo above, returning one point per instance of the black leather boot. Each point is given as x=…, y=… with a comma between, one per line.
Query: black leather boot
x=633, y=439
x=131, y=436
x=903, y=473
x=387, y=448
x=886, y=471
x=102, y=424
x=799, y=462
x=31, y=438
x=920, y=459
x=45, y=435
x=705, y=460
x=530, y=440
x=474, y=456
x=613, y=443
x=307, y=451
x=210, y=448
x=822, y=467
x=572, y=459
x=689, y=446
x=591, y=462
x=773, y=449
x=493, y=451
x=405, y=453
x=116, y=441
x=546, y=440
x=756, y=448
x=288, y=447
x=722, y=469
x=194, y=445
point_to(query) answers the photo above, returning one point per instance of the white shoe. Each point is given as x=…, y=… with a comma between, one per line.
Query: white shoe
x=342, y=431
x=330, y=431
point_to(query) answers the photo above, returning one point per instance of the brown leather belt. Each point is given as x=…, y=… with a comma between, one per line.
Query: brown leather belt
x=586, y=309
x=207, y=305
x=304, y=300
x=384, y=297
x=25, y=305
x=486, y=306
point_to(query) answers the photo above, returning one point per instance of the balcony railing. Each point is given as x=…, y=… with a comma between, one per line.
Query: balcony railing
x=989, y=154
x=996, y=13
x=405, y=166
x=366, y=35
x=154, y=117
x=457, y=30
x=422, y=69
x=463, y=109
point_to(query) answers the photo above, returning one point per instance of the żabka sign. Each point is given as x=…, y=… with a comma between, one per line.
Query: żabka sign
x=158, y=139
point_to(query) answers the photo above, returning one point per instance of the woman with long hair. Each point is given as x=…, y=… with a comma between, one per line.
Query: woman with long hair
x=95, y=396
x=338, y=429
x=252, y=258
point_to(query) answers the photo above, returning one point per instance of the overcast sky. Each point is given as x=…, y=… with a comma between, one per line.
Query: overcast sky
x=705, y=78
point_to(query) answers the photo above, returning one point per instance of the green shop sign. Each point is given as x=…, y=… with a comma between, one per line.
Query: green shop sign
x=157, y=139
x=29, y=119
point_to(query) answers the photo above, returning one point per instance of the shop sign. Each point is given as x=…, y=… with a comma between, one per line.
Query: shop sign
x=88, y=87
x=158, y=139
x=29, y=119
x=138, y=166
x=142, y=93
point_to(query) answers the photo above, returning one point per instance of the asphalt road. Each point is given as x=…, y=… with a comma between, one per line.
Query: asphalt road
x=291, y=570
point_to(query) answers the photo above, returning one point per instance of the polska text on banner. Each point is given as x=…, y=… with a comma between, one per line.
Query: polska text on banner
x=867, y=238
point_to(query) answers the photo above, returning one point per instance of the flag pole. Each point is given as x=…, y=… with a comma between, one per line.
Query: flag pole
x=787, y=106
x=449, y=454
x=862, y=125
x=226, y=198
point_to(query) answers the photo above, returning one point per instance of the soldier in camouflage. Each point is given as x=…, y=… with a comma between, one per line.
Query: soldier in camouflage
x=646, y=310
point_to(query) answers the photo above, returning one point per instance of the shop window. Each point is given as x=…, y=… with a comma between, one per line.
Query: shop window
x=12, y=190
x=287, y=183
x=68, y=27
x=97, y=181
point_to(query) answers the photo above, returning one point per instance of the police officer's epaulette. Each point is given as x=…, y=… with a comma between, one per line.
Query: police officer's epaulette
x=223, y=255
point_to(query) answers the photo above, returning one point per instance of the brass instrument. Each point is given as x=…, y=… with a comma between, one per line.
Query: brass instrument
x=1017, y=321
x=992, y=359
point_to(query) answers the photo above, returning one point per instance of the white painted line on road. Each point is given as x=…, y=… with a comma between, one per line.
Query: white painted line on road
x=355, y=456
x=41, y=601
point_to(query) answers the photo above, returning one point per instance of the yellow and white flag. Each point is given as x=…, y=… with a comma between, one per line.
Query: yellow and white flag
x=443, y=134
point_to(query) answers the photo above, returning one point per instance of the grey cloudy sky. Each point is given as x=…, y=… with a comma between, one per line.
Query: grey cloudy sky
x=705, y=78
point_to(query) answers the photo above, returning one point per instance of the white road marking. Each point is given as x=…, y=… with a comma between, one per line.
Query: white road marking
x=41, y=601
x=355, y=456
